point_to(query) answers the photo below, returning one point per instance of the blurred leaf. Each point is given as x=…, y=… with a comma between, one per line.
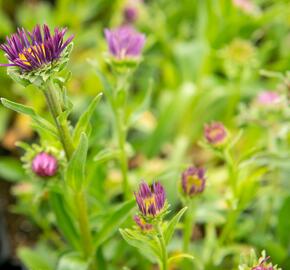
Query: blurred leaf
x=283, y=225
x=20, y=108
x=75, y=174
x=33, y=261
x=83, y=123
x=106, y=154
x=72, y=261
x=171, y=225
x=11, y=169
x=113, y=222
x=64, y=220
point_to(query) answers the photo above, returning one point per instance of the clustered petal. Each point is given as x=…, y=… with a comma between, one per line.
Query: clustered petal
x=32, y=50
x=193, y=181
x=215, y=133
x=44, y=165
x=143, y=225
x=150, y=199
x=125, y=42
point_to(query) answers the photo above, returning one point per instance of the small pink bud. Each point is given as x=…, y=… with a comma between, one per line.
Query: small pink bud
x=268, y=98
x=215, y=133
x=44, y=165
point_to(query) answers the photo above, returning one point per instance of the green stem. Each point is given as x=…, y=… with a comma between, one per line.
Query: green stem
x=122, y=135
x=55, y=109
x=188, y=225
x=85, y=232
x=164, y=262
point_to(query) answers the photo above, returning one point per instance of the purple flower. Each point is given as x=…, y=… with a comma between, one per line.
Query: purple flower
x=44, y=165
x=125, y=42
x=215, y=133
x=268, y=98
x=32, y=50
x=245, y=5
x=263, y=265
x=193, y=181
x=150, y=199
x=143, y=225
x=130, y=14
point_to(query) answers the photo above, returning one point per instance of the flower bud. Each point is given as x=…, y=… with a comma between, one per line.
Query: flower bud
x=130, y=14
x=125, y=46
x=215, y=134
x=44, y=165
x=193, y=181
x=268, y=98
x=143, y=225
x=151, y=199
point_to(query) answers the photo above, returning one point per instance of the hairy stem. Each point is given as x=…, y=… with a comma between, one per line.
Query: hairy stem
x=164, y=261
x=55, y=109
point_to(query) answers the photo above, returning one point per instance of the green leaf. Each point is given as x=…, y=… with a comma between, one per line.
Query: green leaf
x=33, y=261
x=283, y=224
x=75, y=174
x=106, y=154
x=148, y=247
x=113, y=222
x=169, y=230
x=83, y=123
x=180, y=256
x=26, y=110
x=72, y=261
x=64, y=220
x=11, y=169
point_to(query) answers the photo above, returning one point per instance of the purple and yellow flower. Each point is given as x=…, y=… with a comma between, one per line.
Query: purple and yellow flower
x=31, y=51
x=125, y=43
x=142, y=224
x=44, y=165
x=268, y=98
x=151, y=200
x=193, y=181
x=215, y=134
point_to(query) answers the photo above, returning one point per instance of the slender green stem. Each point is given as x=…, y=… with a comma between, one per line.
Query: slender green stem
x=188, y=225
x=85, y=231
x=55, y=108
x=164, y=262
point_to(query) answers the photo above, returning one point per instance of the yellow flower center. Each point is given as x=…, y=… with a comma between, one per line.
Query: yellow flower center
x=23, y=58
x=149, y=201
x=193, y=181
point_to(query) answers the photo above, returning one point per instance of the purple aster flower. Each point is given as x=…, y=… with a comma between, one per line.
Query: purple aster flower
x=130, y=13
x=193, y=181
x=215, y=133
x=143, y=225
x=125, y=42
x=44, y=165
x=268, y=98
x=150, y=199
x=32, y=50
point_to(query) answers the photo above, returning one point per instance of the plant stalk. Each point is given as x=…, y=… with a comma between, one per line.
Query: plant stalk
x=55, y=109
x=164, y=262
x=188, y=225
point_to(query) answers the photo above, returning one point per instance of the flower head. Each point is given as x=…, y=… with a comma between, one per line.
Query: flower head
x=193, y=181
x=245, y=5
x=44, y=165
x=143, y=225
x=125, y=42
x=151, y=199
x=31, y=51
x=263, y=265
x=268, y=98
x=130, y=13
x=215, y=133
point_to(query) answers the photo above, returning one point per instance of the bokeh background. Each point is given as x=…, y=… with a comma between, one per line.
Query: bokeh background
x=202, y=62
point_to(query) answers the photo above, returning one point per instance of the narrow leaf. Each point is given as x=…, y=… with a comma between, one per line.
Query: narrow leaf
x=84, y=120
x=75, y=174
x=169, y=230
x=113, y=222
x=72, y=261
